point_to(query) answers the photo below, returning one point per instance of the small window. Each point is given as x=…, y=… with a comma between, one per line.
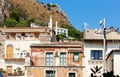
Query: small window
x=23, y=34
x=49, y=59
x=72, y=74
x=96, y=54
x=62, y=59
x=50, y=73
x=76, y=56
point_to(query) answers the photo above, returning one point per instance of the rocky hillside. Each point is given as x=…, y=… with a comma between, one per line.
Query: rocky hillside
x=38, y=10
x=20, y=13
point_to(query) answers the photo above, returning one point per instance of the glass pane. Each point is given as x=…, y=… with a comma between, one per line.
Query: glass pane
x=92, y=55
x=76, y=56
x=50, y=73
x=62, y=59
x=100, y=54
x=96, y=54
x=71, y=74
x=49, y=59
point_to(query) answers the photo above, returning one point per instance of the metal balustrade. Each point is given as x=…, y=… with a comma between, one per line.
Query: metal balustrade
x=16, y=56
x=95, y=62
x=55, y=61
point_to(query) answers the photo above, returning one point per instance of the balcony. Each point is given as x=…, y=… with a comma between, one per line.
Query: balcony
x=56, y=61
x=94, y=62
x=16, y=57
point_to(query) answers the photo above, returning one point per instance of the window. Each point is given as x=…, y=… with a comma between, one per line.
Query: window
x=71, y=74
x=23, y=34
x=76, y=56
x=9, y=70
x=50, y=73
x=96, y=54
x=49, y=59
x=62, y=59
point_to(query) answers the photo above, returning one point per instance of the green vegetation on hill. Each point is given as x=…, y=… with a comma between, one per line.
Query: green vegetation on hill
x=19, y=16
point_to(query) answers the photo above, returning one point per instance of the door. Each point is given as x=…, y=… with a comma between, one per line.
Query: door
x=9, y=54
x=9, y=70
x=72, y=75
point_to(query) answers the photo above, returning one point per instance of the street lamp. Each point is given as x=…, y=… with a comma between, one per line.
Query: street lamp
x=103, y=24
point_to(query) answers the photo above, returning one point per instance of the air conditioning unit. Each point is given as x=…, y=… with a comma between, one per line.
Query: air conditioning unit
x=56, y=54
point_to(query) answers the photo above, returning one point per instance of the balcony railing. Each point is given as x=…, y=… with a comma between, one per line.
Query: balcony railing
x=95, y=62
x=17, y=56
x=56, y=61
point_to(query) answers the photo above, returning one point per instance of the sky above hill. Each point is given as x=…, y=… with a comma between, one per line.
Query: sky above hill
x=90, y=12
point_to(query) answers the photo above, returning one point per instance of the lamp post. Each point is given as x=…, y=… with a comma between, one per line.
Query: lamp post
x=104, y=41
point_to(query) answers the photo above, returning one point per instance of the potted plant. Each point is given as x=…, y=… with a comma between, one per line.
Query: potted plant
x=19, y=72
x=14, y=73
x=95, y=71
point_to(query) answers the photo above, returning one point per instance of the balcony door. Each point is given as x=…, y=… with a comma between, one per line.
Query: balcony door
x=49, y=58
x=9, y=53
x=9, y=70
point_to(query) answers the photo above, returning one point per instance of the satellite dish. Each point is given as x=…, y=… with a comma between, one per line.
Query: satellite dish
x=85, y=26
x=100, y=22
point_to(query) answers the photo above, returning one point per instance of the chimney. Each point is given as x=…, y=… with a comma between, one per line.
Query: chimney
x=50, y=23
x=56, y=27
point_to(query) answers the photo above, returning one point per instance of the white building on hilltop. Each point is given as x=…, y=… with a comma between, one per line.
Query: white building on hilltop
x=93, y=49
x=59, y=30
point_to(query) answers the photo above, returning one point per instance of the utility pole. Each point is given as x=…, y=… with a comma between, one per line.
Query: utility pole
x=104, y=41
x=104, y=33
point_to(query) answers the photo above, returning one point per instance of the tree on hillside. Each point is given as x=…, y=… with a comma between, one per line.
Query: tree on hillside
x=10, y=22
x=73, y=32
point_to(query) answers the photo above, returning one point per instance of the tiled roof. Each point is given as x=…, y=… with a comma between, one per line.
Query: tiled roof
x=60, y=44
x=98, y=35
x=71, y=46
x=117, y=50
x=28, y=29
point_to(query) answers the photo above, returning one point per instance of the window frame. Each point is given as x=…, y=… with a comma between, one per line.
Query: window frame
x=78, y=56
x=64, y=59
x=96, y=55
x=49, y=59
x=50, y=70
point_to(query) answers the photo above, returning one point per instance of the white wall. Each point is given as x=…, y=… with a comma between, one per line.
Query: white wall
x=98, y=45
x=117, y=63
x=109, y=63
x=112, y=45
x=2, y=64
x=88, y=46
x=23, y=45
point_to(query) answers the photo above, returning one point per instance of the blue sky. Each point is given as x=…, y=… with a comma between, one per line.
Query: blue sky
x=90, y=12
